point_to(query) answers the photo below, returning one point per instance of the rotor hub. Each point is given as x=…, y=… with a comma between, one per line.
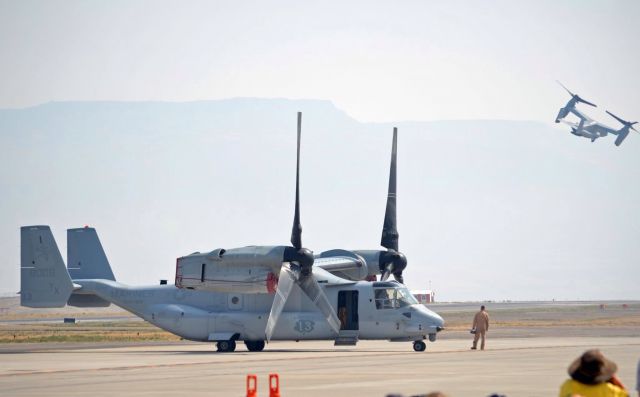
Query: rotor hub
x=393, y=262
x=303, y=257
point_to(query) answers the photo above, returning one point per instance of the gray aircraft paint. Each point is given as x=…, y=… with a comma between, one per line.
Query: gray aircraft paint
x=214, y=316
x=85, y=256
x=86, y=259
x=587, y=127
x=593, y=130
x=241, y=274
x=246, y=268
x=44, y=281
x=252, y=269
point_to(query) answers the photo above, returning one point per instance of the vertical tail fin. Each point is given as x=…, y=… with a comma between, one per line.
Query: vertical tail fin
x=44, y=280
x=85, y=256
x=86, y=260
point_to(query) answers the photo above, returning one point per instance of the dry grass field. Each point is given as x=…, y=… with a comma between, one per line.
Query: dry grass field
x=555, y=315
x=94, y=331
x=544, y=319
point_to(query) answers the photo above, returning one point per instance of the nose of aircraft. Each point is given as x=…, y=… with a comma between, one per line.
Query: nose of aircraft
x=432, y=319
x=438, y=320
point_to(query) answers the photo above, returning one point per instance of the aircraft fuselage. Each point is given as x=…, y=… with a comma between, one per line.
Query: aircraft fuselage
x=214, y=316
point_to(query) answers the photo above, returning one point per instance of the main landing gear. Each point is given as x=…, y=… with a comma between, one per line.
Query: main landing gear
x=419, y=346
x=228, y=346
x=254, y=345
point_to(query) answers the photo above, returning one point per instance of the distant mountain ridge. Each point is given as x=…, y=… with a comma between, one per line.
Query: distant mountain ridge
x=521, y=206
x=198, y=115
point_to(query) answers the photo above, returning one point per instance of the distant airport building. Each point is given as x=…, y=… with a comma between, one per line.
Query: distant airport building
x=424, y=296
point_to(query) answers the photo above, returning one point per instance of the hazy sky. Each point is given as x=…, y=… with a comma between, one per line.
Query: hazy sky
x=526, y=203
x=379, y=61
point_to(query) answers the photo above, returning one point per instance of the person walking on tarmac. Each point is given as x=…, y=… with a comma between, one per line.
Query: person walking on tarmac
x=480, y=328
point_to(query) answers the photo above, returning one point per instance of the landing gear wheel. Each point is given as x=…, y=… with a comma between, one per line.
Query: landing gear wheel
x=225, y=346
x=419, y=346
x=254, y=345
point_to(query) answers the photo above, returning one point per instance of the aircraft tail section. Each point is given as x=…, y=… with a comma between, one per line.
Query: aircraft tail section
x=86, y=259
x=85, y=256
x=44, y=280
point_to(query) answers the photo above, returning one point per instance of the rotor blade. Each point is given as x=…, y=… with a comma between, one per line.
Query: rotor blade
x=285, y=283
x=398, y=277
x=312, y=289
x=586, y=102
x=386, y=273
x=296, y=231
x=566, y=89
x=390, y=235
x=617, y=118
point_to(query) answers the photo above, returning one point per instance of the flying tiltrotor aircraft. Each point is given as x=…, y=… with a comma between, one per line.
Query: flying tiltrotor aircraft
x=589, y=128
x=249, y=294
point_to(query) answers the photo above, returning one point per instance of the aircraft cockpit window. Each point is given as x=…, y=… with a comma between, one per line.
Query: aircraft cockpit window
x=384, y=298
x=404, y=296
x=393, y=298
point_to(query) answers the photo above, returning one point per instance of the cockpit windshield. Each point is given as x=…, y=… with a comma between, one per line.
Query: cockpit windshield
x=393, y=298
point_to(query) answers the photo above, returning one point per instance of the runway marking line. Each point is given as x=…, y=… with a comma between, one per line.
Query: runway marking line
x=382, y=354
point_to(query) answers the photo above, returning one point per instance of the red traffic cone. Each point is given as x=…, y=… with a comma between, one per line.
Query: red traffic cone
x=274, y=385
x=252, y=386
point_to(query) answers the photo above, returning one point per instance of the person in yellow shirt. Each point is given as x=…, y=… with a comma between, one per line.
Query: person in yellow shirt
x=593, y=375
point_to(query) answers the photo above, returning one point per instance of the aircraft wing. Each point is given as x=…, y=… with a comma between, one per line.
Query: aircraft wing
x=579, y=114
x=570, y=123
x=337, y=263
x=342, y=263
x=328, y=279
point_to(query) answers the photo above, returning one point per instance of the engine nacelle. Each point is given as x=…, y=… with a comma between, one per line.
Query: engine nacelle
x=621, y=136
x=242, y=270
x=372, y=257
x=344, y=264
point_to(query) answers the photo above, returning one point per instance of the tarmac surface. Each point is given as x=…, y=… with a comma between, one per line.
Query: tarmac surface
x=509, y=366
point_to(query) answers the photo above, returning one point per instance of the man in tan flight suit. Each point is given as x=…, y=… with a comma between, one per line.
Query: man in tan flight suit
x=481, y=326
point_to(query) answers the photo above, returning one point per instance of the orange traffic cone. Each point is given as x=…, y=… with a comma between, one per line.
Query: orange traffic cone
x=252, y=386
x=274, y=385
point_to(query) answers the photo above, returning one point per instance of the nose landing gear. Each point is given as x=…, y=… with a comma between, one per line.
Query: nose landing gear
x=226, y=346
x=419, y=346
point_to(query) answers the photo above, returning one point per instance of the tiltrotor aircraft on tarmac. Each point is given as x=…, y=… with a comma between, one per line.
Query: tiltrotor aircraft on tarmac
x=249, y=294
x=589, y=128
